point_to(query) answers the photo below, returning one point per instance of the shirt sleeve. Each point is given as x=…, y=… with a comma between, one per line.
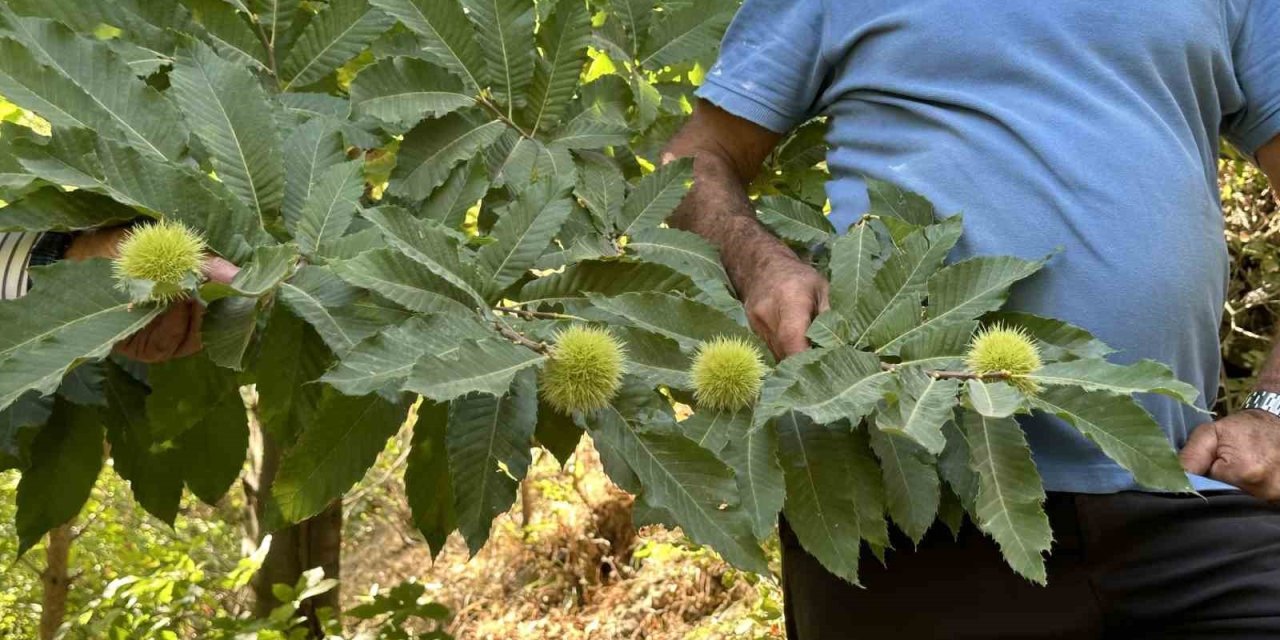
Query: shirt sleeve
x=1256, y=56
x=771, y=68
x=15, y=256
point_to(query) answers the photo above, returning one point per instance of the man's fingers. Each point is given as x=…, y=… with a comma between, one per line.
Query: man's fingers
x=824, y=298
x=173, y=334
x=1201, y=450
x=1237, y=473
x=792, y=326
x=168, y=333
x=219, y=270
x=128, y=347
x=1241, y=464
x=195, y=322
x=160, y=339
x=176, y=332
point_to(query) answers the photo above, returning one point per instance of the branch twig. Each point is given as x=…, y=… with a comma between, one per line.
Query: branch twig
x=268, y=44
x=954, y=375
x=76, y=532
x=520, y=338
x=965, y=375
x=545, y=315
x=480, y=100
x=389, y=476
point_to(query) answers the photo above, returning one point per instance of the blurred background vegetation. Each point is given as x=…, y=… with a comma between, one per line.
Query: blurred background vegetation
x=1253, y=239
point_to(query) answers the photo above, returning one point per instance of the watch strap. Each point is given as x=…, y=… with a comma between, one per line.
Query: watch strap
x=1264, y=400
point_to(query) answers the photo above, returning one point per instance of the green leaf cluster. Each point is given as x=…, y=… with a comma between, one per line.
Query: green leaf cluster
x=422, y=194
x=889, y=383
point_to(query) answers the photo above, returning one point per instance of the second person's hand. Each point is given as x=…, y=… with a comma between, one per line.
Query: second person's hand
x=174, y=333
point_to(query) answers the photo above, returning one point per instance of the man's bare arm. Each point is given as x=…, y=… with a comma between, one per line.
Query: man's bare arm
x=781, y=293
x=727, y=152
x=1243, y=449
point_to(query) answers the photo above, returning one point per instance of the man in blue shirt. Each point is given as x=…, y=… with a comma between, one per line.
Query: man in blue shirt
x=1092, y=126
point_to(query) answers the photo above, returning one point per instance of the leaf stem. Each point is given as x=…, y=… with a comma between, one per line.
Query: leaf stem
x=965, y=375
x=940, y=374
x=543, y=315
x=267, y=43
x=480, y=100
x=519, y=338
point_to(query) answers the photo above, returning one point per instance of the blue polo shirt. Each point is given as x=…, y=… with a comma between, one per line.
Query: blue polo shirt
x=1081, y=124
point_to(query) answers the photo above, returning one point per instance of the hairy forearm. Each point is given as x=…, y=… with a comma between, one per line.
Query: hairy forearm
x=718, y=209
x=780, y=293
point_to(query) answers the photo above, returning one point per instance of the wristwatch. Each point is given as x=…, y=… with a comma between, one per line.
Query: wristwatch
x=1264, y=400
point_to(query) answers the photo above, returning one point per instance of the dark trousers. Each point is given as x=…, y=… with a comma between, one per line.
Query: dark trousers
x=1129, y=565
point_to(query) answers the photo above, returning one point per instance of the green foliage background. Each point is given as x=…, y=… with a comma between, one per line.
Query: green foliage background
x=178, y=574
x=1253, y=303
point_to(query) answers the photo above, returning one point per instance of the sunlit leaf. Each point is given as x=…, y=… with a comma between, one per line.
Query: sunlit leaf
x=431, y=149
x=336, y=34
x=73, y=313
x=74, y=81
x=228, y=111
x=402, y=91
x=655, y=197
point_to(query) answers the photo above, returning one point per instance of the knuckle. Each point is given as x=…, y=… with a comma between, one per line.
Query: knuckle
x=1254, y=474
x=798, y=315
x=758, y=309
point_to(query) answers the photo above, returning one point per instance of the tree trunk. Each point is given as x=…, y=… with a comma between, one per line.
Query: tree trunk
x=315, y=542
x=56, y=581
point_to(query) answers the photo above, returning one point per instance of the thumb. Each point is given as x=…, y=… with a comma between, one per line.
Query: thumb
x=1201, y=450
x=219, y=270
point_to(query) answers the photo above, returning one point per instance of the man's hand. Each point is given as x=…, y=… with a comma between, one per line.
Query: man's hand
x=782, y=298
x=1242, y=449
x=176, y=332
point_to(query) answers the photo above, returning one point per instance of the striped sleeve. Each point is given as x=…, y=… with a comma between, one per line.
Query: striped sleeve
x=15, y=256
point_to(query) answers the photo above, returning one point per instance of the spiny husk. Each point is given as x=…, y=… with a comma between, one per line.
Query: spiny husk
x=1001, y=349
x=584, y=370
x=727, y=373
x=166, y=253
